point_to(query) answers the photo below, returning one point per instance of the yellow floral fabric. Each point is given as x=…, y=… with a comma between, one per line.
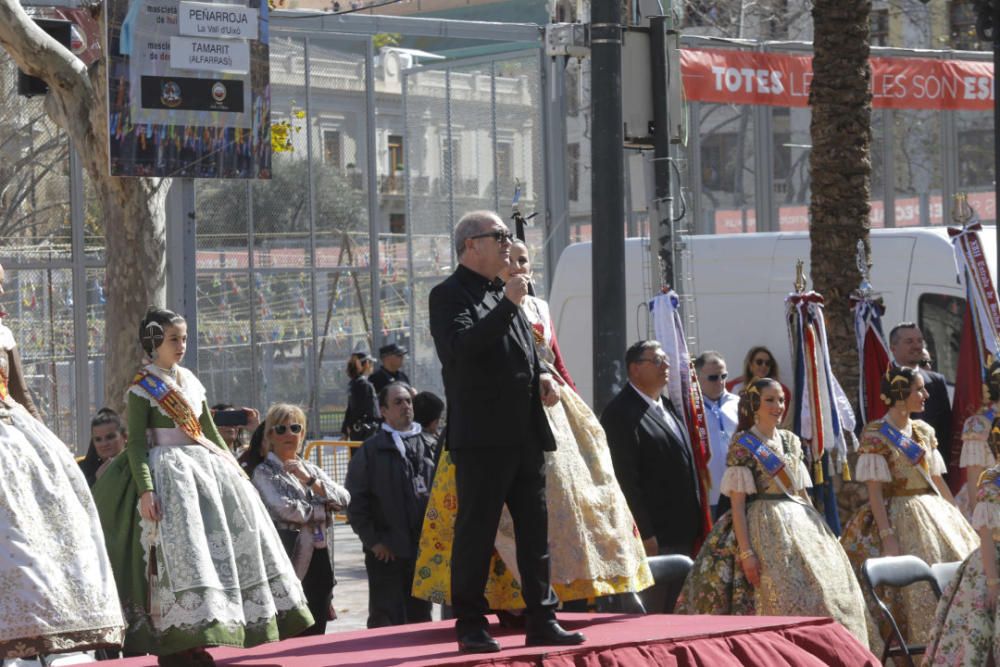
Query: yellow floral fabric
x=804, y=572
x=925, y=524
x=600, y=553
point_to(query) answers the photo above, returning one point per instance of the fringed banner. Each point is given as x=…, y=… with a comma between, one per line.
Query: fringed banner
x=970, y=260
x=821, y=410
x=684, y=392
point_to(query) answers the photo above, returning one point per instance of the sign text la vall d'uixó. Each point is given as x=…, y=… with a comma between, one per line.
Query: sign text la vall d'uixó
x=188, y=89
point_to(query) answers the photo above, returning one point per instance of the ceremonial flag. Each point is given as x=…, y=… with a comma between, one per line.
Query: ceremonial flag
x=968, y=395
x=685, y=393
x=980, y=330
x=873, y=352
x=822, y=414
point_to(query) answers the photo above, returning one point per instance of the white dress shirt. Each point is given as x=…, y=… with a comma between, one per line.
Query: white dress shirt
x=721, y=417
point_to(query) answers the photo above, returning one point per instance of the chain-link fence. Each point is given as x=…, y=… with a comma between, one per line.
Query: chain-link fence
x=473, y=135
x=294, y=274
x=51, y=273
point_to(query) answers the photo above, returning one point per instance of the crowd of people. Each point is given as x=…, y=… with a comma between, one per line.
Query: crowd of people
x=186, y=527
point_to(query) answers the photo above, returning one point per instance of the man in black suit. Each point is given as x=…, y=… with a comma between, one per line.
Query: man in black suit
x=653, y=460
x=906, y=342
x=390, y=367
x=497, y=431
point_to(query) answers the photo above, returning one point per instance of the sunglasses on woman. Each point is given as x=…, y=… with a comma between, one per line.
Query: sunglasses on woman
x=761, y=362
x=281, y=429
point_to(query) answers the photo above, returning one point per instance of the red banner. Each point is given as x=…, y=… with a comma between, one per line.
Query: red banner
x=775, y=79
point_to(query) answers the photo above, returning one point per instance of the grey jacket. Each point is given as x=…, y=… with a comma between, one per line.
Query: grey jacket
x=293, y=507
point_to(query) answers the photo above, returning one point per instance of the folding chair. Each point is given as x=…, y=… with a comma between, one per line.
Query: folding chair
x=945, y=572
x=897, y=572
x=669, y=573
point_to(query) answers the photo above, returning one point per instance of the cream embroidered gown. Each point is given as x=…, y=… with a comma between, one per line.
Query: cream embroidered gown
x=57, y=592
x=223, y=577
x=594, y=547
x=803, y=569
x=926, y=525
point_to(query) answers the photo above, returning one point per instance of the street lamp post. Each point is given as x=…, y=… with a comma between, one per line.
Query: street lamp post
x=987, y=21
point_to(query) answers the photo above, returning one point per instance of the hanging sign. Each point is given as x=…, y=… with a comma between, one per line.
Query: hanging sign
x=188, y=89
x=728, y=76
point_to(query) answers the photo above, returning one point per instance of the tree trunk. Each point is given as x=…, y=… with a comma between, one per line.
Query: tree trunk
x=133, y=208
x=840, y=166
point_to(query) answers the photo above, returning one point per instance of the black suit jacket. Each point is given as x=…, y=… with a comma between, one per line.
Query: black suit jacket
x=382, y=377
x=489, y=365
x=937, y=411
x=655, y=469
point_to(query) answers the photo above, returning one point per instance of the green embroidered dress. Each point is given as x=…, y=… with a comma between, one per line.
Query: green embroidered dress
x=221, y=576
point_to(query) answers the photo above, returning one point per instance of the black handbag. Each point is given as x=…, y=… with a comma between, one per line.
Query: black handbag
x=361, y=431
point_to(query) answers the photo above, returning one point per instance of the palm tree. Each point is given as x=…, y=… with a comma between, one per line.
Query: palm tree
x=840, y=164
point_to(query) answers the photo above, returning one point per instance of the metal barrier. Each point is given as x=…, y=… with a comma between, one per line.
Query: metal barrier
x=332, y=457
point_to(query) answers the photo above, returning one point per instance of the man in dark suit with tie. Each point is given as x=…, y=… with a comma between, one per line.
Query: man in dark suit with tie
x=652, y=457
x=906, y=342
x=497, y=431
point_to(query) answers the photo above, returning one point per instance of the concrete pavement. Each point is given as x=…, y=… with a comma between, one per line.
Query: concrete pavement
x=350, y=596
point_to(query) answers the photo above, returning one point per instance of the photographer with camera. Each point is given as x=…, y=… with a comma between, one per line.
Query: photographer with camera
x=233, y=424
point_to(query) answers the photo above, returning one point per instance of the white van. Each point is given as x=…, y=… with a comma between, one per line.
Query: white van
x=739, y=284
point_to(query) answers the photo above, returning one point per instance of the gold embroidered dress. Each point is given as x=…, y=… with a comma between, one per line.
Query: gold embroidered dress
x=594, y=547
x=965, y=625
x=926, y=525
x=803, y=569
x=57, y=592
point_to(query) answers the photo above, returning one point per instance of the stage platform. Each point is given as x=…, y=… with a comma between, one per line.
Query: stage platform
x=612, y=640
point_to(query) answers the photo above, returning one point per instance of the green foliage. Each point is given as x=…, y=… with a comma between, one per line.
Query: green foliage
x=386, y=39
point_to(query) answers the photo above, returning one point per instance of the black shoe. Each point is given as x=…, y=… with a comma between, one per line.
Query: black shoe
x=477, y=641
x=509, y=620
x=552, y=634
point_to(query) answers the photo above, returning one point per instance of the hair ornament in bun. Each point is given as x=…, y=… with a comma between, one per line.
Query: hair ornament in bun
x=896, y=384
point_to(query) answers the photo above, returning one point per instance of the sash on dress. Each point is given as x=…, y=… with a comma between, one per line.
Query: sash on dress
x=173, y=403
x=771, y=461
x=911, y=450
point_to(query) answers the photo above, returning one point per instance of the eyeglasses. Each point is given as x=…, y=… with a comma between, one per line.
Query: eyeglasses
x=761, y=362
x=280, y=429
x=924, y=363
x=717, y=376
x=657, y=360
x=498, y=235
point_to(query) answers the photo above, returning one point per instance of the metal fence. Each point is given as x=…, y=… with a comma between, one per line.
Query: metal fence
x=473, y=131
x=336, y=254
x=281, y=280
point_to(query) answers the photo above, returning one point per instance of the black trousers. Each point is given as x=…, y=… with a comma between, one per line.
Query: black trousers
x=486, y=480
x=389, y=599
x=318, y=587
